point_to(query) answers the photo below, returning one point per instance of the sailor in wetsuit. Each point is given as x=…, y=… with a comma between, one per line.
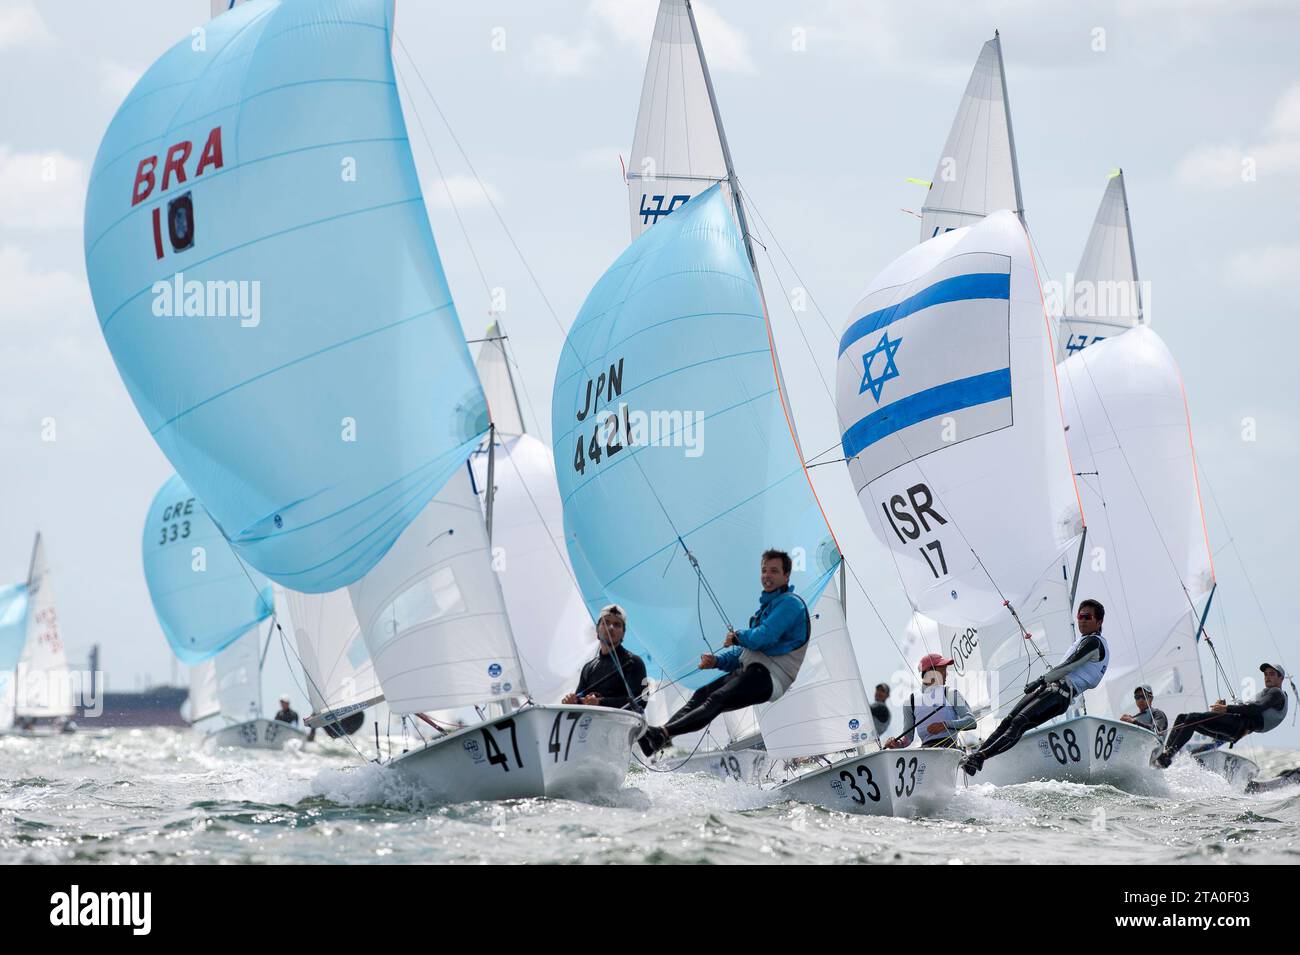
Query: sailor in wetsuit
x=880, y=716
x=285, y=714
x=1230, y=722
x=616, y=677
x=1147, y=716
x=1051, y=694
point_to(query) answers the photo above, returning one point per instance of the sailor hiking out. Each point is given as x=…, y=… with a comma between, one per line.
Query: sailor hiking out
x=1051, y=694
x=760, y=662
x=616, y=677
x=1230, y=722
x=938, y=713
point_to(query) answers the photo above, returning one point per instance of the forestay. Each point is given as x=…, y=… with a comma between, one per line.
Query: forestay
x=1149, y=560
x=977, y=172
x=947, y=402
x=255, y=227
x=1105, y=297
x=340, y=679
x=432, y=613
x=674, y=444
x=677, y=150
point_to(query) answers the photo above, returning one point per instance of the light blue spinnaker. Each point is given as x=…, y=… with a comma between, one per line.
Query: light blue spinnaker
x=13, y=625
x=203, y=597
x=267, y=282
x=672, y=347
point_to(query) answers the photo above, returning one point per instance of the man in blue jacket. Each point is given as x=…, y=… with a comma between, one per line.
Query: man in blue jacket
x=759, y=662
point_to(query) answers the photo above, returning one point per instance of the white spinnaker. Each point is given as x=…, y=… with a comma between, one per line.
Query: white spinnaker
x=552, y=629
x=826, y=708
x=339, y=677
x=1148, y=557
x=947, y=400
x=977, y=172
x=493, y=365
x=677, y=147
x=43, y=684
x=1105, y=297
x=432, y=612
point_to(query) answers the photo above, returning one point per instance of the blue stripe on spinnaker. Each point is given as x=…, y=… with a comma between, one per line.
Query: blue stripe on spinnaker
x=959, y=288
x=941, y=399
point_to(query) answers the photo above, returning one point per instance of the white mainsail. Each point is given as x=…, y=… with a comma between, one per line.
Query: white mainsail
x=43, y=684
x=340, y=678
x=945, y=345
x=229, y=684
x=554, y=633
x=677, y=149
x=977, y=173
x=1105, y=297
x=432, y=612
x=1148, y=557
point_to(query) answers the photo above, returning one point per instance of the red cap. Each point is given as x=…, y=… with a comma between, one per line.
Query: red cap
x=932, y=660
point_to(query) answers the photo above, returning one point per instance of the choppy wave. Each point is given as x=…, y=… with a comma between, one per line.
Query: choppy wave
x=158, y=795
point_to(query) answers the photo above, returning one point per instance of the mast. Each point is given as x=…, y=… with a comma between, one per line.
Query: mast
x=726, y=156
x=490, y=490
x=1011, y=136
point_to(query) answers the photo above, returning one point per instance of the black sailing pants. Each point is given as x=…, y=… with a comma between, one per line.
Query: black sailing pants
x=1035, y=709
x=1225, y=726
x=736, y=690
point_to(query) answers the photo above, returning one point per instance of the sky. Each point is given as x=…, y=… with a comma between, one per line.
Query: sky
x=829, y=107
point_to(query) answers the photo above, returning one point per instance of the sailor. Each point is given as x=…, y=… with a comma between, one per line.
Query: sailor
x=880, y=708
x=616, y=676
x=1230, y=722
x=1288, y=777
x=1051, y=694
x=941, y=713
x=759, y=662
x=1147, y=716
x=285, y=714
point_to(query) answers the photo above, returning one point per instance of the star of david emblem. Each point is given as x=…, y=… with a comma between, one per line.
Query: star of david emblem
x=877, y=383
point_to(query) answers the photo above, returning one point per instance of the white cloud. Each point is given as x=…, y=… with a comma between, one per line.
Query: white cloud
x=557, y=56
x=41, y=190
x=463, y=191
x=1277, y=153
x=630, y=23
x=22, y=25
x=26, y=294
x=1267, y=269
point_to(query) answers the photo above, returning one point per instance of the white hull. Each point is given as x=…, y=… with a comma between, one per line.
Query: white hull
x=569, y=752
x=889, y=782
x=740, y=765
x=1084, y=749
x=1237, y=770
x=256, y=734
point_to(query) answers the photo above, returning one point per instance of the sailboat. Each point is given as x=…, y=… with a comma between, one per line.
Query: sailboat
x=679, y=150
x=36, y=692
x=217, y=617
x=947, y=400
x=327, y=421
x=1130, y=440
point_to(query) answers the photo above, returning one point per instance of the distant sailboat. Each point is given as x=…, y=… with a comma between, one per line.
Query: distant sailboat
x=215, y=614
x=41, y=687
